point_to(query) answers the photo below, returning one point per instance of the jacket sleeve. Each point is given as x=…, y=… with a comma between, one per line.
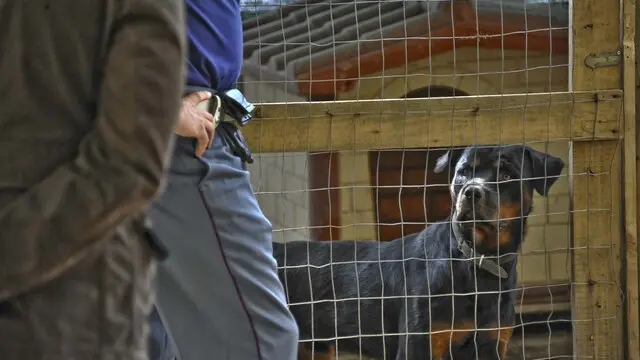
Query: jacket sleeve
x=121, y=163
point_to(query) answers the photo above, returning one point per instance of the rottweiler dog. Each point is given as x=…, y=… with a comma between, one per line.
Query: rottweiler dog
x=447, y=292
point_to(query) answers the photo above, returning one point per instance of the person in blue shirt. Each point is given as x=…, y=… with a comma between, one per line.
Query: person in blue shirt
x=218, y=293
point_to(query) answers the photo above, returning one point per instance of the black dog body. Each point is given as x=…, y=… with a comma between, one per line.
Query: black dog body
x=373, y=295
x=425, y=296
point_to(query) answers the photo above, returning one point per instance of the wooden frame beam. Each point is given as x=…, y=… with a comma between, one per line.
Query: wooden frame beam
x=630, y=176
x=596, y=195
x=596, y=249
x=435, y=122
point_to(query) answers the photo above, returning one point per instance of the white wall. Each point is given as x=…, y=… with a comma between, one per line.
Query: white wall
x=280, y=180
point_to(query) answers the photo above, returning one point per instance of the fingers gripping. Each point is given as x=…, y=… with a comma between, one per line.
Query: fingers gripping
x=197, y=97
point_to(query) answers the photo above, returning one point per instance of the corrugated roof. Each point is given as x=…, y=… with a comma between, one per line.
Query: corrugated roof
x=321, y=47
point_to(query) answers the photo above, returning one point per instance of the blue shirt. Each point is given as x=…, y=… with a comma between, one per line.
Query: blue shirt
x=214, y=30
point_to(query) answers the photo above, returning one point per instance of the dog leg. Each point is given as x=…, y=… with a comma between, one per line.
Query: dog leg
x=493, y=344
x=443, y=339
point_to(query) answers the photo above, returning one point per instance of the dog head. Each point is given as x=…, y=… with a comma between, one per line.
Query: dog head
x=492, y=192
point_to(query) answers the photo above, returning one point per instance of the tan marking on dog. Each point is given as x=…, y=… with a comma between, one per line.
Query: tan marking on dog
x=479, y=235
x=507, y=212
x=501, y=336
x=527, y=201
x=443, y=337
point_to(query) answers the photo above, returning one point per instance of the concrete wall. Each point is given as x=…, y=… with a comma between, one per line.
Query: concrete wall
x=280, y=180
x=485, y=73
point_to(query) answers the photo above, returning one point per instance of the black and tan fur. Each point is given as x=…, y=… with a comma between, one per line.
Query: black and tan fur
x=403, y=288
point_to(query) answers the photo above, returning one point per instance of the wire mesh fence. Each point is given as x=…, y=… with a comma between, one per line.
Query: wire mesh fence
x=480, y=222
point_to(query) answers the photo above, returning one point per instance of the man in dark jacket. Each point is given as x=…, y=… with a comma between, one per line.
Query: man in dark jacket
x=89, y=98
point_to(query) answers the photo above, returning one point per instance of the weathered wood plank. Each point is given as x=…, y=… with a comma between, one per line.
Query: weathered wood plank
x=630, y=177
x=596, y=30
x=435, y=122
x=598, y=321
x=597, y=299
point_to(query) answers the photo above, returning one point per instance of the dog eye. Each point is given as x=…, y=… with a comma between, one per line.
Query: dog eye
x=505, y=176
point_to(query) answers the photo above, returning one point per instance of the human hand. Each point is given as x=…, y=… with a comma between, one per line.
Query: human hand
x=196, y=123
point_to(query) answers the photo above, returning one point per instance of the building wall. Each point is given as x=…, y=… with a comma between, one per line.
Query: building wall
x=486, y=72
x=357, y=217
x=280, y=180
x=545, y=252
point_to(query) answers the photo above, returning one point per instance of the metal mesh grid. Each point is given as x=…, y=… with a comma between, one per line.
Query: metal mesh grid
x=367, y=50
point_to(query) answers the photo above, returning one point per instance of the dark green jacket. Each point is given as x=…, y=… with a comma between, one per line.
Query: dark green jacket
x=89, y=97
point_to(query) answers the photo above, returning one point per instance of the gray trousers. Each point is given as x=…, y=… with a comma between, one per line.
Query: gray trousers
x=218, y=292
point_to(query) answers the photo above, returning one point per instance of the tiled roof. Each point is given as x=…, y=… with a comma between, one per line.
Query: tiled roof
x=332, y=43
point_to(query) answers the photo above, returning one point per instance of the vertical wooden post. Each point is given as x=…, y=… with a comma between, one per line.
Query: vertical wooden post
x=596, y=297
x=596, y=169
x=630, y=176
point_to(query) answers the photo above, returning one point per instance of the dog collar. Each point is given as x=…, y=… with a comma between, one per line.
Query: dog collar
x=484, y=262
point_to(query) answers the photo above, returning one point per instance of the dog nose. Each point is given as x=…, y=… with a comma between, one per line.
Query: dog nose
x=473, y=193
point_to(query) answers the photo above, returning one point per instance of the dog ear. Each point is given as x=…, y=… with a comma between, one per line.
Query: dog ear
x=448, y=158
x=545, y=169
